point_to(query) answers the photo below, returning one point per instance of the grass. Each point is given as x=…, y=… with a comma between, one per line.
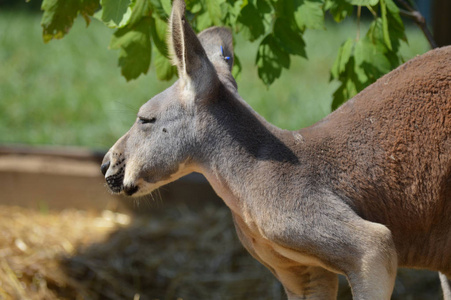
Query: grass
x=70, y=92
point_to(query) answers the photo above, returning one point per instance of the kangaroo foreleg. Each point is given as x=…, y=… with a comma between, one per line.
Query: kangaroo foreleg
x=340, y=241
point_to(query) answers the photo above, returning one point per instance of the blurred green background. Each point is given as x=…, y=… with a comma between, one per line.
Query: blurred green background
x=70, y=91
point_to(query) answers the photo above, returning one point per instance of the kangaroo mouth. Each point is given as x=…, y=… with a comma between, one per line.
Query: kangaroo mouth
x=116, y=185
x=129, y=190
x=137, y=186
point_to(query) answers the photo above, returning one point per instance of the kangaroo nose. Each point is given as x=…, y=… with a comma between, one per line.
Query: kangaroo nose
x=104, y=167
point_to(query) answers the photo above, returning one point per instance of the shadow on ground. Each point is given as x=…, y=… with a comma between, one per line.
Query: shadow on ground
x=186, y=252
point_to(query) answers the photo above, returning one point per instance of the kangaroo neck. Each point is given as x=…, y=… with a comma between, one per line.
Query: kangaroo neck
x=239, y=146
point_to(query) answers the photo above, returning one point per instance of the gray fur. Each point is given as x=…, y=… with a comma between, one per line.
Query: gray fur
x=360, y=193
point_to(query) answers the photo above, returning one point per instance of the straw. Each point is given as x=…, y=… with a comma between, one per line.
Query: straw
x=179, y=252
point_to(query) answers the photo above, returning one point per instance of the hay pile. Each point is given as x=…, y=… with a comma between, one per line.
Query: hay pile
x=31, y=244
x=174, y=253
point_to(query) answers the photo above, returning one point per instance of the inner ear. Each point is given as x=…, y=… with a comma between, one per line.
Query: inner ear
x=187, y=52
x=176, y=39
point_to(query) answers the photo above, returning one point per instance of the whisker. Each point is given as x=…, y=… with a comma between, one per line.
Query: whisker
x=136, y=202
x=154, y=199
x=160, y=198
x=147, y=200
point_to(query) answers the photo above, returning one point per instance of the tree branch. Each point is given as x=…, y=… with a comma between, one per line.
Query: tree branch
x=418, y=18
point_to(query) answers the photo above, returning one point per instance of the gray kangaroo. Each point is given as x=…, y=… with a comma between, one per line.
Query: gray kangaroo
x=360, y=193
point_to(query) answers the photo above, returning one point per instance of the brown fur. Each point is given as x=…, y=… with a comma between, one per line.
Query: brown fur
x=388, y=151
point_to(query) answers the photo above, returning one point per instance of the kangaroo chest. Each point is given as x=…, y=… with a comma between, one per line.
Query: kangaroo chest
x=272, y=255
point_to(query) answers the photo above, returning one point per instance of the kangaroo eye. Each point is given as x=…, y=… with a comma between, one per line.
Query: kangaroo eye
x=142, y=120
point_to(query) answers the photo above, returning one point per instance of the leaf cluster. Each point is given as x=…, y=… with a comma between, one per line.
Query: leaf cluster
x=361, y=61
x=278, y=26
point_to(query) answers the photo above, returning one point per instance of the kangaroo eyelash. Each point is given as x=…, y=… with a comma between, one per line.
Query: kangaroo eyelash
x=146, y=120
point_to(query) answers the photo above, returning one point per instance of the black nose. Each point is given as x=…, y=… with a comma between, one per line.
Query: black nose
x=104, y=167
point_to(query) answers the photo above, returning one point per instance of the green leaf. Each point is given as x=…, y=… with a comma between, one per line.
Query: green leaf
x=284, y=9
x=159, y=7
x=114, y=12
x=203, y=21
x=87, y=8
x=194, y=6
x=237, y=68
x=370, y=57
x=59, y=16
x=352, y=78
x=266, y=14
x=162, y=64
x=271, y=59
x=339, y=9
x=309, y=14
x=264, y=7
x=167, y=6
x=158, y=31
x=140, y=9
x=344, y=92
x=363, y=2
x=111, y=24
x=163, y=67
x=343, y=56
x=250, y=23
x=349, y=87
x=135, y=48
x=231, y=10
x=395, y=24
x=214, y=11
x=288, y=39
x=375, y=35
x=386, y=34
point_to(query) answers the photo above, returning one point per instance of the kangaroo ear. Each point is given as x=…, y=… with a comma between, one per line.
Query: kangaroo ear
x=195, y=70
x=218, y=44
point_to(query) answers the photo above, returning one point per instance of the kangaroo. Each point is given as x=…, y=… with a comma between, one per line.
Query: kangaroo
x=360, y=193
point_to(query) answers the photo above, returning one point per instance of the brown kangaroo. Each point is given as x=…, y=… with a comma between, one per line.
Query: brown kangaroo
x=360, y=193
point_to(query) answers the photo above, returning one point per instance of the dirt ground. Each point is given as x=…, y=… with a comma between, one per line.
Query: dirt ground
x=181, y=252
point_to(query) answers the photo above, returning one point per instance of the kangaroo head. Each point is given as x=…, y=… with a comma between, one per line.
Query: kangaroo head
x=160, y=147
